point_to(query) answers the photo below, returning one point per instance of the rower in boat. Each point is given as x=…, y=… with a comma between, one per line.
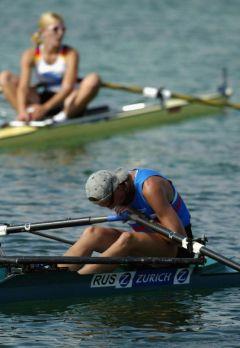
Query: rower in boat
x=146, y=191
x=56, y=67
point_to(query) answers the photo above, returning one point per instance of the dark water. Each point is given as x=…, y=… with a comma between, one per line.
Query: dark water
x=182, y=45
x=174, y=320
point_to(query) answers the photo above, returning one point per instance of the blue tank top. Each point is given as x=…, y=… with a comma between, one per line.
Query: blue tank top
x=139, y=202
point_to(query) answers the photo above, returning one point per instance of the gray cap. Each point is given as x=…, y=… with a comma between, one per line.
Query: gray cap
x=101, y=184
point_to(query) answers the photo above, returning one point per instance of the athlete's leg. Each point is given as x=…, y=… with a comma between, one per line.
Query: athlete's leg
x=94, y=238
x=134, y=244
x=9, y=82
x=77, y=101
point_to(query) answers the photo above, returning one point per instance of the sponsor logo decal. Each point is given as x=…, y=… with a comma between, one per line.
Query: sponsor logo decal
x=182, y=276
x=135, y=279
x=116, y=280
x=151, y=278
x=103, y=280
x=125, y=280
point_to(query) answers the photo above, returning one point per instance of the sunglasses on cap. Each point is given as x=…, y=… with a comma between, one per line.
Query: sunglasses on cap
x=56, y=28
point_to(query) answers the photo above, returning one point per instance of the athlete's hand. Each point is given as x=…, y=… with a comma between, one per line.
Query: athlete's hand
x=23, y=117
x=36, y=111
x=119, y=209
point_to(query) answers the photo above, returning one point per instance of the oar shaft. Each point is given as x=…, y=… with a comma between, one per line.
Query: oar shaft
x=119, y=87
x=156, y=227
x=154, y=92
x=197, y=247
x=218, y=257
x=58, y=239
x=210, y=102
x=37, y=226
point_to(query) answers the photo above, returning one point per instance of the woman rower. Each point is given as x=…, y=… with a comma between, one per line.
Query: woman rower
x=56, y=67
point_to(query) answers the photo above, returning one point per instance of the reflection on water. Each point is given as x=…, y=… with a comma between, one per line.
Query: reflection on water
x=142, y=318
x=57, y=156
x=164, y=312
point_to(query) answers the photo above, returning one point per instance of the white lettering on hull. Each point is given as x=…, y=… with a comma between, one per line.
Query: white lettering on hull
x=117, y=280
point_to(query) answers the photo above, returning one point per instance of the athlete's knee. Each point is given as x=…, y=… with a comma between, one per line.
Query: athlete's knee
x=93, y=81
x=126, y=241
x=93, y=232
x=5, y=77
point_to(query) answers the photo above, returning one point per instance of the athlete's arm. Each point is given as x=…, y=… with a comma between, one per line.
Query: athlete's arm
x=24, y=82
x=158, y=193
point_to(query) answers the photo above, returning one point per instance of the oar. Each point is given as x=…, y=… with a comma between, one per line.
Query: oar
x=183, y=241
x=53, y=260
x=153, y=92
x=50, y=236
x=47, y=225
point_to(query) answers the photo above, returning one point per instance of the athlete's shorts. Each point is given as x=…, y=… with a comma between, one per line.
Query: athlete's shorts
x=44, y=97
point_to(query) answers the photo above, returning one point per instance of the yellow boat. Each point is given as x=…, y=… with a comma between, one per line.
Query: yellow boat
x=103, y=122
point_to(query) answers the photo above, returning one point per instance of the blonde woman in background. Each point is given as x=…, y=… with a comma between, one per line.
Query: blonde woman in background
x=56, y=68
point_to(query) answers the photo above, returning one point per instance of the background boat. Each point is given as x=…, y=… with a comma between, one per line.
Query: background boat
x=102, y=122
